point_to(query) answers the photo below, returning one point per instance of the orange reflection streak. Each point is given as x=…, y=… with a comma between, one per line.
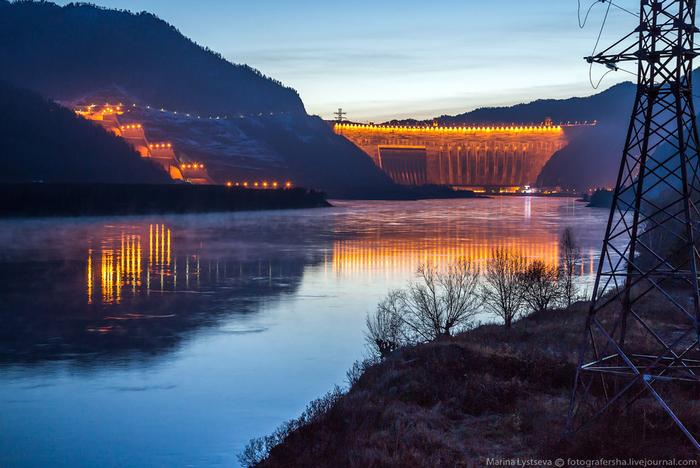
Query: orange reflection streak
x=389, y=256
x=121, y=266
x=150, y=244
x=106, y=275
x=135, y=277
x=121, y=257
x=117, y=283
x=89, y=276
x=161, y=258
x=138, y=264
x=157, y=257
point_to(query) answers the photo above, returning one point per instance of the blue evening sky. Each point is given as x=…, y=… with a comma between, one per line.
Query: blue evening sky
x=381, y=59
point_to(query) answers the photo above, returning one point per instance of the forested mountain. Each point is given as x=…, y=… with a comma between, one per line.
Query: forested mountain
x=79, y=53
x=72, y=51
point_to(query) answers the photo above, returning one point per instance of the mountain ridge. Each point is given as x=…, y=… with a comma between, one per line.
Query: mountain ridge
x=82, y=47
x=79, y=52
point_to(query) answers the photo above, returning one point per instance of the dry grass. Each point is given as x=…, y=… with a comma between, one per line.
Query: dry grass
x=485, y=393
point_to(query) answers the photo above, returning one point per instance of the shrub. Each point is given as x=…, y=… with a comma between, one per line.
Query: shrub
x=385, y=327
x=541, y=286
x=258, y=449
x=571, y=258
x=503, y=291
x=438, y=304
x=442, y=303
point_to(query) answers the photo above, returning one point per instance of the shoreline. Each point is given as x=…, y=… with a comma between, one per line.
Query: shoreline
x=30, y=200
x=488, y=393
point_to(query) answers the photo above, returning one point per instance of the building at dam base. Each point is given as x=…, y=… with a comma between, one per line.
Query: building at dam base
x=506, y=157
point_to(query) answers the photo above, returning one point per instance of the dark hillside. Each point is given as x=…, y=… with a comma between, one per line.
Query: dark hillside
x=589, y=161
x=42, y=141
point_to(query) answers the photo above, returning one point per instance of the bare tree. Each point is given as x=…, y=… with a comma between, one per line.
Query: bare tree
x=385, y=327
x=570, y=259
x=442, y=302
x=541, y=287
x=502, y=290
x=438, y=304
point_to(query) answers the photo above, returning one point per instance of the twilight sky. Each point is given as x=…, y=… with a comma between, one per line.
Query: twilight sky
x=382, y=59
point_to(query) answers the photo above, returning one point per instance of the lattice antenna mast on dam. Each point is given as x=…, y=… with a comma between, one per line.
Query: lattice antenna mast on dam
x=340, y=115
x=632, y=349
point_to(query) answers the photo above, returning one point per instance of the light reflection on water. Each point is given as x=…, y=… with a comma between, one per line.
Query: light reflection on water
x=398, y=256
x=173, y=340
x=122, y=259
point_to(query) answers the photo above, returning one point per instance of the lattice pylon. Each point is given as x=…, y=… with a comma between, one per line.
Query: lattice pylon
x=643, y=327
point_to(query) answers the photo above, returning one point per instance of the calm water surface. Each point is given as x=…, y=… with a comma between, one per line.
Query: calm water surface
x=172, y=340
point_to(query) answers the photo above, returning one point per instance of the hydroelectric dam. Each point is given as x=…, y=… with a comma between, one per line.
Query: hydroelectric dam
x=500, y=158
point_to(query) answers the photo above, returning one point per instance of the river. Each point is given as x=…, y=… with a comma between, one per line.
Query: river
x=172, y=340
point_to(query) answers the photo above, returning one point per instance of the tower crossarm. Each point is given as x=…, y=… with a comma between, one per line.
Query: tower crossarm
x=662, y=35
x=608, y=56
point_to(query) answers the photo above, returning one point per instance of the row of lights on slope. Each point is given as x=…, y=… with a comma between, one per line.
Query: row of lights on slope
x=263, y=185
x=110, y=108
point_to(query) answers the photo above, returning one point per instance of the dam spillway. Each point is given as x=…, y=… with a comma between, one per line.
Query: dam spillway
x=469, y=157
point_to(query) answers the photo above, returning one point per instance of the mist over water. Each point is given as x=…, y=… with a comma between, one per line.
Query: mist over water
x=172, y=340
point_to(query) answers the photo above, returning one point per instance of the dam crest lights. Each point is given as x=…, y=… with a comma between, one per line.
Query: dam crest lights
x=460, y=129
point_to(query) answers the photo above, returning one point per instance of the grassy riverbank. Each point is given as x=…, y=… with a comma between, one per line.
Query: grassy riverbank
x=487, y=393
x=125, y=199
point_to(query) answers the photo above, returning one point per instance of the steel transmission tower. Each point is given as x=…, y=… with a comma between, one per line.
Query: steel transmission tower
x=649, y=348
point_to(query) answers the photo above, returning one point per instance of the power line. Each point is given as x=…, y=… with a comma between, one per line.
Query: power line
x=595, y=47
x=582, y=24
x=597, y=84
x=636, y=15
x=588, y=12
x=612, y=67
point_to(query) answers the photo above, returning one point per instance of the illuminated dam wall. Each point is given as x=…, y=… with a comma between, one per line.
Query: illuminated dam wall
x=458, y=156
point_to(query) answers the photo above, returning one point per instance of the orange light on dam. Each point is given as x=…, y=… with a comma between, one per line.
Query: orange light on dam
x=340, y=128
x=460, y=156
